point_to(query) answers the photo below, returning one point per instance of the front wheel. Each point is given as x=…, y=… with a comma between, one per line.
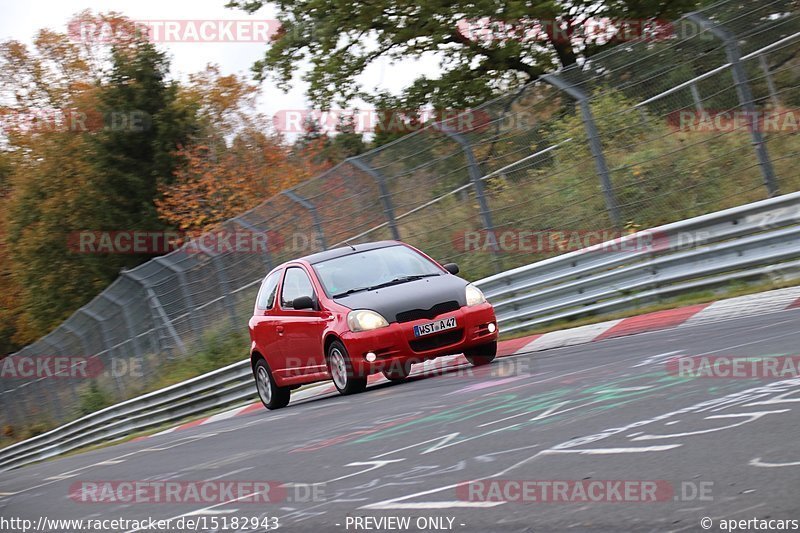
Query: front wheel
x=481, y=355
x=341, y=370
x=272, y=396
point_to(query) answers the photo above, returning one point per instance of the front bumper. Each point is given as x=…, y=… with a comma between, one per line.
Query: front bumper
x=396, y=344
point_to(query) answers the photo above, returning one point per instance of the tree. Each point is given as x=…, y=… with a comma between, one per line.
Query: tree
x=233, y=162
x=347, y=142
x=488, y=46
x=99, y=172
x=9, y=293
x=215, y=185
x=135, y=151
x=42, y=188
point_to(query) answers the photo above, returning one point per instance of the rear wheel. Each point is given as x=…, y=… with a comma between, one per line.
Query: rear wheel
x=398, y=372
x=481, y=355
x=341, y=370
x=272, y=396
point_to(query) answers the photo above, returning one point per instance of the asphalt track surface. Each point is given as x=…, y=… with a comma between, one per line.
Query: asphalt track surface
x=609, y=410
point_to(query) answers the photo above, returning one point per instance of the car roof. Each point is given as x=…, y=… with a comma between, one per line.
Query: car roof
x=346, y=250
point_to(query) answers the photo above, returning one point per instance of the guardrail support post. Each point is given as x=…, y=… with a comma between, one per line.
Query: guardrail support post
x=386, y=197
x=698, y=101
x=157, y=311
x=744, y=94
x=181, y=275
x=11, y=408
x=475, y=177
x=266, y=256
x=299, y=200
x=773, y=93
x=108, y=346
x=57, y=350
x=594, y=144
x=126, y=317
x=225, y=288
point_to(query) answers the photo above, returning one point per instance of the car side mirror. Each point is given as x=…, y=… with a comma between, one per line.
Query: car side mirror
x=303, y=302
x=452, y=268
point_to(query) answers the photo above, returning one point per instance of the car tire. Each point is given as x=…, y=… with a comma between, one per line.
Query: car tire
x=481, y=355
x=271, y=395
x=341, y=370
x=398, y=372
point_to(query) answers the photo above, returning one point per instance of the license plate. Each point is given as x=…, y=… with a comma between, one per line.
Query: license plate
x=435, y=326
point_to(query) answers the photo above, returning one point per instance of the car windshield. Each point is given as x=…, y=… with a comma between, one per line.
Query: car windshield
x=373, y=269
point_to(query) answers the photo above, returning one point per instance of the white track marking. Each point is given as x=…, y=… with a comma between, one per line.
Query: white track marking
x=758, y=462
x=611, y=451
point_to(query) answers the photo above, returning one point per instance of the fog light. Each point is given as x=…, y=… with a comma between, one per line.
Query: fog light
x=491, y=327
x=370, y=357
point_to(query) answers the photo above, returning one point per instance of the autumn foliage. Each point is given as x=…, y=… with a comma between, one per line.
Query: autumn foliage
x=215, y=185
x=202, y=154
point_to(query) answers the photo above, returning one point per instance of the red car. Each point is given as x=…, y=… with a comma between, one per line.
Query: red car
x=346, y=313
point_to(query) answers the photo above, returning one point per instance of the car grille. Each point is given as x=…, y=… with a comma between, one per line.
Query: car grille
x=436, y=341
x=436, y=310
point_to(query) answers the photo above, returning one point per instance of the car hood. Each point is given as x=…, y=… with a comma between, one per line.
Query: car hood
x=421, y=295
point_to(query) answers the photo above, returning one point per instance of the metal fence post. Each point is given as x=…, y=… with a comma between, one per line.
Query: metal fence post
x=11, y=412
x=475, y=177
x=386, y=196
x=773, y=93
x=157, y=311
x=224, y=287
x=266, y=256
x=698, y=101
x=108, y=346
x=291, y=195
x=126, y=317
x=744, y=94
x=181, y=275
x=594, y=144
x=138, y=351
x=57, y=350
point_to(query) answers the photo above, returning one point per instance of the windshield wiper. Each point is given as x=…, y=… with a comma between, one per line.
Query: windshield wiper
x=351, y=291
x=395, y=281
x=401, y=279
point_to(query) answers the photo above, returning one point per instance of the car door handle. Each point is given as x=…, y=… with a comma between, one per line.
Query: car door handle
x=279, y=329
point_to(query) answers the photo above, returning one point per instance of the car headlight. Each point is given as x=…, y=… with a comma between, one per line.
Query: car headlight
x=365, y=320
x=474, y=295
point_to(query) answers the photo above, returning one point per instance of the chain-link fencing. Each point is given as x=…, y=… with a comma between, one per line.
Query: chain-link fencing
x=656, y=130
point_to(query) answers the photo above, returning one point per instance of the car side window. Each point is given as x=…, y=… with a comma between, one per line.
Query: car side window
x=266, y=296
x=295, y=285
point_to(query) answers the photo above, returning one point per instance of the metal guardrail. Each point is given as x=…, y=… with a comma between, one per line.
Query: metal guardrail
x=735, y=243
x=221, y=388
x=745, y=241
